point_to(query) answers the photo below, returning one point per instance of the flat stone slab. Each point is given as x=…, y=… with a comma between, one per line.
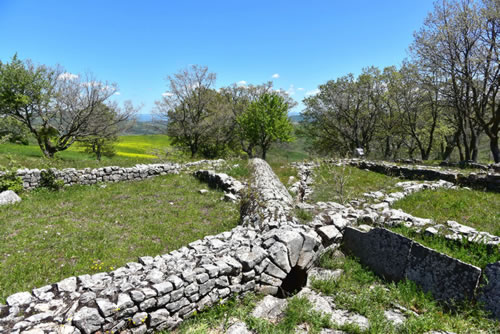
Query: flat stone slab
x=238, y=328
x=490, y=293
x=445, y=277
x=270, y=308
x=319, y=303
x=383, y=251
x=323, y=275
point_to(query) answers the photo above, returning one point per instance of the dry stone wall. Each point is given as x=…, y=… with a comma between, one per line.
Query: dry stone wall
x=70, y=176
x=270, y=253
x=484, y=180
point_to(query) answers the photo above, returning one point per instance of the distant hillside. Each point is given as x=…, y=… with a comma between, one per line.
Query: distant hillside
x=146, y=128
x=296, y=118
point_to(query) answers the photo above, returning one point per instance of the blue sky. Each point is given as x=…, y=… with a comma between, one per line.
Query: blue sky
x=138, y=43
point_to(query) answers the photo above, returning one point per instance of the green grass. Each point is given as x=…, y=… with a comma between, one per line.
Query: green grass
x=361, y=291
x=130, y=150
x=477, y=254
x=357, y=181
x=474, y=208
x=218, y=317
x=82, y=229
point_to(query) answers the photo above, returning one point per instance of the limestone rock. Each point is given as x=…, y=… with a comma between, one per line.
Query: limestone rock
x=9, y=197
x=395, y=317
x=19, y=299
x=270, y=308
x=88, y=320
x=238, y=328
x=383, y=251
x=490, y=293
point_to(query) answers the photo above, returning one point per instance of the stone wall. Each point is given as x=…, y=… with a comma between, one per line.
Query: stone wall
x=484, y=180
x=396, y=257
x=71, y=176
x=270, y=253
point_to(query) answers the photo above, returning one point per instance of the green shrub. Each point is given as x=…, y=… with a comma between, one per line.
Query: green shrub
x=10, y=181
x=48, y=180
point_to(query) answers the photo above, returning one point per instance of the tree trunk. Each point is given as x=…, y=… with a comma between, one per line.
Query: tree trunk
x=98, y=152
x=450, y=146
x=474, y=145
x=495, y=150
x=264, y=151
x=387, y=152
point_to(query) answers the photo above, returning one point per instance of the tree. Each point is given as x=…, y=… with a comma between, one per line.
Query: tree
x=186, y=106
x=58, y=108
x=460, y=41
x=344, y=114
x=265, y=122
x=13, y=131
x=109, y=125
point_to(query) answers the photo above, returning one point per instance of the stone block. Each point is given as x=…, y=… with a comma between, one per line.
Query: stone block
x=490, y=293
x=383, y=251
x=445, y=277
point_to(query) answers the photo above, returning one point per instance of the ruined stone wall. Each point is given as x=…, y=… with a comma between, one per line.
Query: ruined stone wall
x=265, y=255
x=484, y=180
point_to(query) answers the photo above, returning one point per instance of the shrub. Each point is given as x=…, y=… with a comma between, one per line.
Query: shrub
x=10, y=181
x=48, y=180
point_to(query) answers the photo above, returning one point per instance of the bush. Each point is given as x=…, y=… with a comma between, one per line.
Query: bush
x=10, y=181
x=48, y=180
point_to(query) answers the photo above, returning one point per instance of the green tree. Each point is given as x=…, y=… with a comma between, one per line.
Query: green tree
x=345, y=114
x=109, y=127
x=186, y=106
x=13, y=131
x=460, y=40
x=265, y=122
x=58, y=108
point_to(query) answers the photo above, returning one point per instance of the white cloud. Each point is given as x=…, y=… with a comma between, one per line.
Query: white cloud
x=300, y=89
x=167, y=94
x=118, y=93
x=67, y=76
x=312, y=92
x=291, y=90
x=242, y=83
x=275, y=76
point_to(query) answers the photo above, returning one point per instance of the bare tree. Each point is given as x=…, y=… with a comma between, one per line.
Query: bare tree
x=57, y=107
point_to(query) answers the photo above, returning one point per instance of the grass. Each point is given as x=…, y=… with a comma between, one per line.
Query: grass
x=474, y=208
x=219, y=318
x=83, y=229
x=361, y=291
x=356, y=182
x=130, y=150
x=474, y=253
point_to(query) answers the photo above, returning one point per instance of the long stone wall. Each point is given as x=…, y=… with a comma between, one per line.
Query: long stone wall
x=70, y=176
x=485, y=180
x=268, y=254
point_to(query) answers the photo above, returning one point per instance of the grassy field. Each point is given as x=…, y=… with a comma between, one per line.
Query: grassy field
x=328, y=179
x=358, y=290
x=477, y=254
x=83, y=229
x=130, y=150
x=474, y=208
